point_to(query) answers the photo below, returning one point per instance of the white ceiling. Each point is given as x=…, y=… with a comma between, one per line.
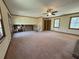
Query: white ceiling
x=35, y=8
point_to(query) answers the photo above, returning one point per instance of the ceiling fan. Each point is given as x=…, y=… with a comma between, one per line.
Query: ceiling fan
x=50, y=12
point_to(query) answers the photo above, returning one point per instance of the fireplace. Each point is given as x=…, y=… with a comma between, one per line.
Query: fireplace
x=21, y=28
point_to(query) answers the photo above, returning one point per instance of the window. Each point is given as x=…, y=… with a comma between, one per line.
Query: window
x=1, y=27
x=56, y=23
x=74, y=23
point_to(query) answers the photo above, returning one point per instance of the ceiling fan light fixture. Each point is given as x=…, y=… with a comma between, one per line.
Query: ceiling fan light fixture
x=49, y=14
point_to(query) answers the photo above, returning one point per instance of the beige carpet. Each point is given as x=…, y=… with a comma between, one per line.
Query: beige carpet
x=41, y=45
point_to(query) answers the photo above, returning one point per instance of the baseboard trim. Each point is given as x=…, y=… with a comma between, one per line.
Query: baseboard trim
x=64, y=33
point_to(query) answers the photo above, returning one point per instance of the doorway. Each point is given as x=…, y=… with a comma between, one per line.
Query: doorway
x=47, y=24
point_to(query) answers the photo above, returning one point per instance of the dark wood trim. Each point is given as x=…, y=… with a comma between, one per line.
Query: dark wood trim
x=70, y=23
x=47, y=20
x=54, y=23
x=2, y=27
x=6, y=6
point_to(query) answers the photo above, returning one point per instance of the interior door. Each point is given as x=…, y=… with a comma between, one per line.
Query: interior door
x=47, y=24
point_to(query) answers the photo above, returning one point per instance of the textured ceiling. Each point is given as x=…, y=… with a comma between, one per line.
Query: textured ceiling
x=35, y=8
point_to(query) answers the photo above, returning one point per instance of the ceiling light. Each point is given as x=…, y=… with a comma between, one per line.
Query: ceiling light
x=49, y=14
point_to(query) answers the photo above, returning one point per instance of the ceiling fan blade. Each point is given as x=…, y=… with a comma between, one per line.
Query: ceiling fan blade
x=54, y=11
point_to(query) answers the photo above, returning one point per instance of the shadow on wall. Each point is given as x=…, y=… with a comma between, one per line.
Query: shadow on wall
x=76, y=50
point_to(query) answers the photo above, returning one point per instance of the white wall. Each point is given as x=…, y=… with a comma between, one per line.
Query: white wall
x=24, y=20
x=64, y=24
x=38, y=22
x=6, y=40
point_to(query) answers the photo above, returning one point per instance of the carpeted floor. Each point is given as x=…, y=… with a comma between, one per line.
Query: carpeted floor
x=41, y=45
